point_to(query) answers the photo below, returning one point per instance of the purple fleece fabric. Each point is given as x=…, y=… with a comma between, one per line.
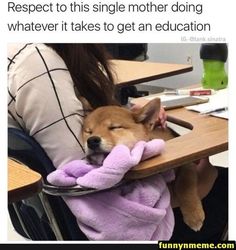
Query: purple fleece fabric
x=140, y=210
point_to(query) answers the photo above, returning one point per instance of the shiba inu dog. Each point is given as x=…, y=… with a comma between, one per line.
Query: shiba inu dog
x=108, y=126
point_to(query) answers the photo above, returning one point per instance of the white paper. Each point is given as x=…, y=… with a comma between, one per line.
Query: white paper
x=217, y=101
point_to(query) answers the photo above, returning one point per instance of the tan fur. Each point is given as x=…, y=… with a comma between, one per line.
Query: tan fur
x=116, y=125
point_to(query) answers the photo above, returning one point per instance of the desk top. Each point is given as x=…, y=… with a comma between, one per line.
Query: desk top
x=22, y=181
x=133, y=72
x=209, y=136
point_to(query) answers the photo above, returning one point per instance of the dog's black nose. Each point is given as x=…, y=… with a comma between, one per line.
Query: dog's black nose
x=93, y=142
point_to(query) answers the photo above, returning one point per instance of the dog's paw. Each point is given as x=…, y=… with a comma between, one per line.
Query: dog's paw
x=195, y=219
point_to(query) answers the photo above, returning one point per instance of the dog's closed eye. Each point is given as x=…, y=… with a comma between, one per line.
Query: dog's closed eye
x=88, y=131
x=115, y=126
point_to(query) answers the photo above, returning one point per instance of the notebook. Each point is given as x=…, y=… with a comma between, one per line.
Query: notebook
x=182, y=102
x=170, y=101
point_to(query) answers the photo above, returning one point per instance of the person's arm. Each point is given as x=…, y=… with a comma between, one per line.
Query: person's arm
x=47, y=106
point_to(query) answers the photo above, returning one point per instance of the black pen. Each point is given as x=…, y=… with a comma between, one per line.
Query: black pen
x=214, y=110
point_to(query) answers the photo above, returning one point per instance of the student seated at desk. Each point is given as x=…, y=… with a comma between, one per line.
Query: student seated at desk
x=44, y=80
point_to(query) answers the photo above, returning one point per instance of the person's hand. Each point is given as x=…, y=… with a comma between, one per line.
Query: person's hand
x=161, y=118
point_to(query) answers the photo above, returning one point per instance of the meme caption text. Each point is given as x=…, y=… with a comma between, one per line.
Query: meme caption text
x=109, y=17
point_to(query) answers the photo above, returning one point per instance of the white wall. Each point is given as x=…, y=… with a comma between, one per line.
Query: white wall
x=183, y=53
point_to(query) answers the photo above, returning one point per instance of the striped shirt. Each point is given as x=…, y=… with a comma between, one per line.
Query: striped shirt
x=42, y=101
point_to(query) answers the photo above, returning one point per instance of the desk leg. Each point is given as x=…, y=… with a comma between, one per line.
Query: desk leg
x=50, y=215
x=20, y=220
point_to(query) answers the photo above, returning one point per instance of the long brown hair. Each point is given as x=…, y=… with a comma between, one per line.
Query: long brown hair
x=90, y=71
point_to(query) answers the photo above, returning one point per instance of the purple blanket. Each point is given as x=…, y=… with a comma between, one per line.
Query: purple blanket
x=139, y=210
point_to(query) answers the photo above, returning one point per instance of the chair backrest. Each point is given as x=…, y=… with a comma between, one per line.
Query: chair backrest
x=128, y=51
x=25, y=149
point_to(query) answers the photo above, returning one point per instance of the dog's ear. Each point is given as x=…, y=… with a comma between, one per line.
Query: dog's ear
x=87, y=108
x=148, y=114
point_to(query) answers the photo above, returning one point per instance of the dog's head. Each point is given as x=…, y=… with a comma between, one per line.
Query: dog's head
x=108, y=126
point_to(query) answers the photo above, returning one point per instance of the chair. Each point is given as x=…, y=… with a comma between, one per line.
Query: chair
x=41, y=217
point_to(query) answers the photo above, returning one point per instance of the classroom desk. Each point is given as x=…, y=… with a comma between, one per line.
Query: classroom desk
x=22, y=181
x=207, y=136
x=132, y=72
